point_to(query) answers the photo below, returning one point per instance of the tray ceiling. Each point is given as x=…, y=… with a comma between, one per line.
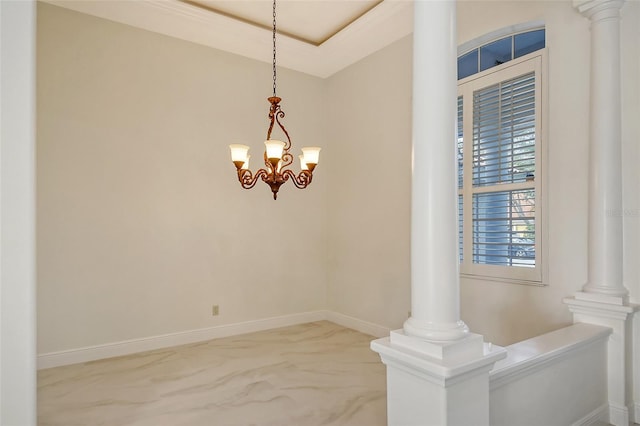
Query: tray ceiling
x=318, y=37
x=310, y=21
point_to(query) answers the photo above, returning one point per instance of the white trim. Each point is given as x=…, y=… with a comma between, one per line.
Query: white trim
x=600, y=414
x=618, y=415
x=127, y=347
x=358, y=324
x=600, y=310
x=636, y=412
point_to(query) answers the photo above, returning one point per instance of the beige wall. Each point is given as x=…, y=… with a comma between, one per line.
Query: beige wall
x=368, y=224
x=370, y=187
x=141, y=223
x=534, y=310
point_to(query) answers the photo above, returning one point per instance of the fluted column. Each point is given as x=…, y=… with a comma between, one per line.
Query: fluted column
x=605, y=161
x=435, y=282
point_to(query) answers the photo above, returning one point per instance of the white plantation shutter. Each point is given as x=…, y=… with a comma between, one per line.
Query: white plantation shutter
x=498, y=187
x=504, y=132
x=504, y=228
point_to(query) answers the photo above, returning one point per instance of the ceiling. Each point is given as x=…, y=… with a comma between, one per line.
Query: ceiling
x=317, y=37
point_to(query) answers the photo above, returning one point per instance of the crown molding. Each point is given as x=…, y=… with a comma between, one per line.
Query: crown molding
x=384, y=24
x=589, y=8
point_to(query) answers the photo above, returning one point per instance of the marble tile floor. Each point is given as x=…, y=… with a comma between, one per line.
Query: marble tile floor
x=305, y=375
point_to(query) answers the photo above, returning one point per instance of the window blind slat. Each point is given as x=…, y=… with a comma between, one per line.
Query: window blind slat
x=504, y=228
x=504, y=132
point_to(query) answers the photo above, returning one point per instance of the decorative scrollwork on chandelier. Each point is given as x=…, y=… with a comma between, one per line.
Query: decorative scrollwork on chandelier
x=276, y=155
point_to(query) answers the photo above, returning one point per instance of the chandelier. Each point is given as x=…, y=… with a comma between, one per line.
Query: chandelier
x=276, y=155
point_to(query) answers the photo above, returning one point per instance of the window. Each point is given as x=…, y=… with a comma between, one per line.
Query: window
x=499, y=165
x=500, y=51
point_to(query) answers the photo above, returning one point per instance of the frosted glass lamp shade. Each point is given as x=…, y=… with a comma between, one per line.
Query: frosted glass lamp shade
x=274, y=148
x=311, y=154
x=246, y=163
x=303, y=165
x=239, y=153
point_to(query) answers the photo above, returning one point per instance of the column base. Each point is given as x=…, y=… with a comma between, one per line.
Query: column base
x=470, y=347
x=443, y=333
x=598, y=309
x=441, y=383
x=614, y=299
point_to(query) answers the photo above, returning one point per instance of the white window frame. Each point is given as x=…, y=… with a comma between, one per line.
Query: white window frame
x=533, y=62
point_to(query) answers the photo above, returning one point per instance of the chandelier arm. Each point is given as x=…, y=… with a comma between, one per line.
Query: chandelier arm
x=272, y=114
x=280, y=114
x=248, y=180
x=287, y=159
x=269, y=177
x=302, y=180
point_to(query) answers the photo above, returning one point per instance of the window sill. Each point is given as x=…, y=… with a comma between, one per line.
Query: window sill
x=503, y=280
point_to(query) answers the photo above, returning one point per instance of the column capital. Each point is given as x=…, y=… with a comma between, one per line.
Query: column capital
x=591, y=8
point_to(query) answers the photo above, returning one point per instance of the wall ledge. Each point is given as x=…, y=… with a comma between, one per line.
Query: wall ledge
x=532, y=355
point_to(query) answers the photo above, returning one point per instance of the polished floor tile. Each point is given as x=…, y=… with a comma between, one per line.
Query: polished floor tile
x=305, y=375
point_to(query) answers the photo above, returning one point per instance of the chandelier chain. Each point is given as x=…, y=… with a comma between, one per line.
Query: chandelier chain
x=274, y=47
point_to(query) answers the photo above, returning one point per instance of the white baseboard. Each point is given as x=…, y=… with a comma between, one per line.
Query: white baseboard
x=618, y=415
x=600, y=414
x=358, y=324
x=127, y=347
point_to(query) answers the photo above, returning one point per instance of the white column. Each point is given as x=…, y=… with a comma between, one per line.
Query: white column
x=604, y=299
x=17, y=211
x=435, y=282
x=437, y=371
x=605, y=161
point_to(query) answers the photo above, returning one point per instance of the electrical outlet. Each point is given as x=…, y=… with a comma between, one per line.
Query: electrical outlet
x=215, y=310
